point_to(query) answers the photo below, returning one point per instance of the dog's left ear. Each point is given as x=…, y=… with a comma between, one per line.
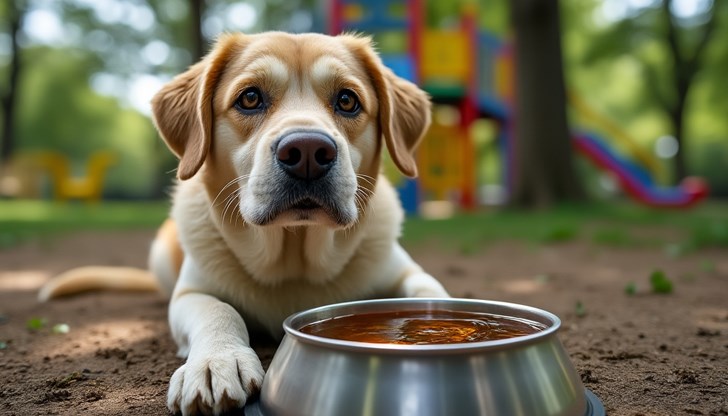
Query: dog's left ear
x=182, y=109
x=404, y=109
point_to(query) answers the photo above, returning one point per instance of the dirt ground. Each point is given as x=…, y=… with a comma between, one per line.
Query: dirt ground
x=642, y=354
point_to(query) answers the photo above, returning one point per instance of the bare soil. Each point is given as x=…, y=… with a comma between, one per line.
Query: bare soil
x=642, y=354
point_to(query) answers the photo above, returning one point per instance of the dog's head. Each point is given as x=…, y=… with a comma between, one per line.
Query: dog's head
x=289, y=127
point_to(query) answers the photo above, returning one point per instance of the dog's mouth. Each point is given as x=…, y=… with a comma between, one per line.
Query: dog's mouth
x=304, y=210
x=307, y=208
x=286, y=202
x=305, y=204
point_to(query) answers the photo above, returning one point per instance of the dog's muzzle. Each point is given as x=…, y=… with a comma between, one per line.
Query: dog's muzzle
x=306, y=155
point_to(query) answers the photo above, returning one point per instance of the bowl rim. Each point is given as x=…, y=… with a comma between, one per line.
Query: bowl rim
x=292, y=323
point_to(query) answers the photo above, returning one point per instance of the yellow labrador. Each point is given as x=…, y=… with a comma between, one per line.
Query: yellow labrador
x=280, y=206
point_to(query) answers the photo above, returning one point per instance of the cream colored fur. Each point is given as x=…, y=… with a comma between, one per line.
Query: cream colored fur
x=232, y=269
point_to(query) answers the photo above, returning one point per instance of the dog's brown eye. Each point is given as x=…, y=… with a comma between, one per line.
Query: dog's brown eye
x=347, y=103
x=250, y=100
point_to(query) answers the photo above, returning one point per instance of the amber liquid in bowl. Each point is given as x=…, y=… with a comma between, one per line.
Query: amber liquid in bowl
x=422, y=327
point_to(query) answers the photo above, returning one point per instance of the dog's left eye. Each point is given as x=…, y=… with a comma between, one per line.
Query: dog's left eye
x=347, y=103
x=250, y=100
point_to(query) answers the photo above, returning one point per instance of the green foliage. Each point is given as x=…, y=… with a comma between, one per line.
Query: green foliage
x=579, y=309
x=61, y=113
x=711, y=158
x=622, y=67
x=660, y=283
x=3, y=345
x=36, y=323
x=630, y=289
x=617, y=66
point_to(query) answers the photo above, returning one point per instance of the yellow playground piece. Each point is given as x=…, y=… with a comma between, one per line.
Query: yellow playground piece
x=353, y=12
x=446, y=59
x=441, y=160
x=66, y=185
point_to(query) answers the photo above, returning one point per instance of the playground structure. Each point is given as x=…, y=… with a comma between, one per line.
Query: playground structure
x=30, y=169
x=473, y=69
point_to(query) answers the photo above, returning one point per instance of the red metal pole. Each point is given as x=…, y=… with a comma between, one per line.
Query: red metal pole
x=469, y=111
x=416, y=26
x=336, y=17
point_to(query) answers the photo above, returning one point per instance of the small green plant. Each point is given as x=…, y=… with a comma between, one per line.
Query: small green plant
x=35, y=324
x=579, y=309
x=559, y=234
x=707, y=266
x=631, y=288
x=660, y=283
x=467, y=248
x=3, y=345
x=675, y=250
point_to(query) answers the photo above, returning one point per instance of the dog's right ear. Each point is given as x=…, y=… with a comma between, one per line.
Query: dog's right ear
x=183, y=112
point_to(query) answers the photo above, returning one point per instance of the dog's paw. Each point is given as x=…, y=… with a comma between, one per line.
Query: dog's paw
x=422, y=285
x=215, y=383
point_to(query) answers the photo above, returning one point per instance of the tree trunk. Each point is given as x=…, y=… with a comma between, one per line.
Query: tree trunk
x=677, y=115
x=684, y=69
x=199, y=47
x=543, y=168
x=10, y=96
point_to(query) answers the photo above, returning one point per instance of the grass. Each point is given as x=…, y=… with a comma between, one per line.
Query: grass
x=23, y=220
x=610, y=225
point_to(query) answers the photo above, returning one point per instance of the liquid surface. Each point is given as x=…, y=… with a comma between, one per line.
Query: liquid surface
x=422, y=327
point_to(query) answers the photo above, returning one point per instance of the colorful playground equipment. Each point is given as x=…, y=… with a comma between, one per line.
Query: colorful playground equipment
x=472, y=69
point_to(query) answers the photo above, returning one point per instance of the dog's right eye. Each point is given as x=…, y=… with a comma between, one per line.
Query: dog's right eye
x=250, y=100
x=347, y=103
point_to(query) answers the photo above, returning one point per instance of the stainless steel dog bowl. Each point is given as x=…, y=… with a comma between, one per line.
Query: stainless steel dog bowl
x=529, y=375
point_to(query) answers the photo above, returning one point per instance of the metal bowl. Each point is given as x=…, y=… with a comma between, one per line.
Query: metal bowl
x=527, y=375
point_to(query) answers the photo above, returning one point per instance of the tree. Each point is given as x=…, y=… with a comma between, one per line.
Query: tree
x=672, y=52
x=685, y=67
x=544, y=171
x=198, y=48
x=14, y=13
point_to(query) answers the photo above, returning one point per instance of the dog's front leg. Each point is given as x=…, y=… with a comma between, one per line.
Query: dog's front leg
x=413, y=281
x=221, y=371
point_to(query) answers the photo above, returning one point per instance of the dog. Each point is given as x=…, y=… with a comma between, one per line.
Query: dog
x=279, y=204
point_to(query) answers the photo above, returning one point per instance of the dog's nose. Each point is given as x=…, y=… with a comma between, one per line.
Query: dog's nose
x=306, y=155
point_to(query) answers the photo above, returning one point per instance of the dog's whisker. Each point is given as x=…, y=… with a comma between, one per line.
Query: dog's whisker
x=367, y=179
x=365, y=176
x=229, y=184
x=230, y=201
x=235, y=209
x=365, y=191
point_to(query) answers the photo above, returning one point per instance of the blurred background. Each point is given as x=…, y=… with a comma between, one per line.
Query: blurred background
x=576, y=162
x=617, y=100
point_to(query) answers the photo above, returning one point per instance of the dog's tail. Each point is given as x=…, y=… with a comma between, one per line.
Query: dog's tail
x=88, y=278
